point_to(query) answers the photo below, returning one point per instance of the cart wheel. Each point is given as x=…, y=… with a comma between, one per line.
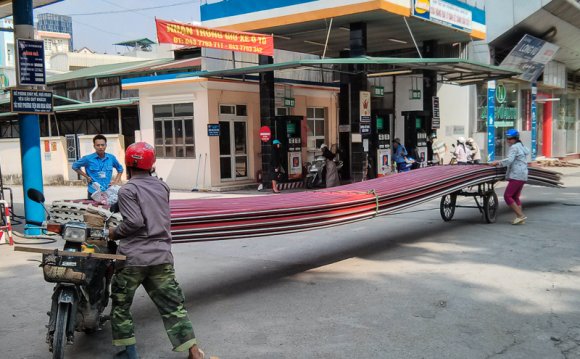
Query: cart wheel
x=447, y=207
x=490, y=204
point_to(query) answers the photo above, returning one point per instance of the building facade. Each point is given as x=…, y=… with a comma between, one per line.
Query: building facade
x=56, y=23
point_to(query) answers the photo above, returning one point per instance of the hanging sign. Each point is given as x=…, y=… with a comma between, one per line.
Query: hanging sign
x=31, y=62
x=265, y=133
x=31, y=101
x=530, y=56
x=365, y=107
x=289, y=102
x=196, y=36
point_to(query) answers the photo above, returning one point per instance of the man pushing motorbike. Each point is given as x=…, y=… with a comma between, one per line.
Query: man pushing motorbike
x=145, y=239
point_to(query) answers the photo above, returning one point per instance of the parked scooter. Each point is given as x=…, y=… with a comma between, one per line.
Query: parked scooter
x=316, y=172
x=82, y=276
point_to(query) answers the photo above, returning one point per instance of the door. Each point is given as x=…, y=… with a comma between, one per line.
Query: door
x=72, y=153
x=233, y=149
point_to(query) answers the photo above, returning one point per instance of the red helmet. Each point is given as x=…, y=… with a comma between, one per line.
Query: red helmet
x=140, y=155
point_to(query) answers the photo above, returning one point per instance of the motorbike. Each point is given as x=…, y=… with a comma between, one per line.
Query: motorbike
x=316, y=172
x=82, y=272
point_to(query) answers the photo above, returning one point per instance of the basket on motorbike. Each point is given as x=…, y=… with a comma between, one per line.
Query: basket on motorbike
x=65, y=269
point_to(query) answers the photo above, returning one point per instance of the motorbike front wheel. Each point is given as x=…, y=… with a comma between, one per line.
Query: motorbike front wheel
x=59, y=339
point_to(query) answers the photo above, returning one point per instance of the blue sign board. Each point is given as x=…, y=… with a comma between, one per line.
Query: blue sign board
x=31, y=101
x=490, y=121
x=534, y=122
x=31, y=62
x=213, y=129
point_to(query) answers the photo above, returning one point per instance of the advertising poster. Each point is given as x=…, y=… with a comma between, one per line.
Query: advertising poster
x=294, y=165
x=490, y=121
x=384, y=161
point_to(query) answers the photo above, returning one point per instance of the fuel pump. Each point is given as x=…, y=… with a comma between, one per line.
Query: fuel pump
x=422, y=148
x=288, y=129
x=381, y=141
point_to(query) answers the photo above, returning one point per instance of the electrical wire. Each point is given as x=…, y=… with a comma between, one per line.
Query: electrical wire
x=48, y=238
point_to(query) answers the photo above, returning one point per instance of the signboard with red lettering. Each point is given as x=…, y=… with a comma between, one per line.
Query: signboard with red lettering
x=196, y=36
x=265, y=133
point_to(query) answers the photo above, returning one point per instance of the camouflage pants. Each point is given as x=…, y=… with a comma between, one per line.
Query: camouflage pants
x=159, y=282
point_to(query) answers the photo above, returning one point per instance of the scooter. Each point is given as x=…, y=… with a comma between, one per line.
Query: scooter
x=315, y=176
x=82, y=276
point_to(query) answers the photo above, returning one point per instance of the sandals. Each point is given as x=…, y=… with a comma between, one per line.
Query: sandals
x=519, y=220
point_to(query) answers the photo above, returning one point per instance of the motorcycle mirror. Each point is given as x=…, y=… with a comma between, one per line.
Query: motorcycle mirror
x=115, y=208
x=35, y=195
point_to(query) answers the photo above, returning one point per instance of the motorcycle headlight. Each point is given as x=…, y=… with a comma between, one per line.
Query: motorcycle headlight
x=75, y=234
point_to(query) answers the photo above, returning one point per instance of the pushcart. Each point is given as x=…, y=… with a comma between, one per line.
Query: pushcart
x=485, y=200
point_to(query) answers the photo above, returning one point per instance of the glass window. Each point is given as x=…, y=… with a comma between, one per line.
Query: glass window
x=178, y=130
x=158, y=132
x=315, y=122
x=183, y=109
x=282, y=111
x=227, y=110
x=162, y=111
x=241, y=110
x=173, y=129
x=168, y=132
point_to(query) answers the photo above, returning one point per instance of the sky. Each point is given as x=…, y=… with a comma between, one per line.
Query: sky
x=98, y=24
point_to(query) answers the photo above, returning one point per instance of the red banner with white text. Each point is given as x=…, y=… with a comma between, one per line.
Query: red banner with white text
x=189, y=35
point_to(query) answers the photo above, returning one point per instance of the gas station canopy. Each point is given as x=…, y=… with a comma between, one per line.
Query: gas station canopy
x=6, y=6
x=452, y=70
x=387, y=32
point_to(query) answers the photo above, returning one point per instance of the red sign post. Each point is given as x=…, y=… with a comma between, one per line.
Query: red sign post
x=265, y=133
x=189, y=35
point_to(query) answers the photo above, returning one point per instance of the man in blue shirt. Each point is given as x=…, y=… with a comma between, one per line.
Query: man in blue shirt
x=400, y=156
x=99, y=166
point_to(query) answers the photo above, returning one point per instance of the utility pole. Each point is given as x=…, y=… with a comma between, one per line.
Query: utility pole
x=28, y=124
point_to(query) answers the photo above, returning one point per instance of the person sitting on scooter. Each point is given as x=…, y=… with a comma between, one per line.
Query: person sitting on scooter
x=400, y=156
x=461, y=152
x=330, y=167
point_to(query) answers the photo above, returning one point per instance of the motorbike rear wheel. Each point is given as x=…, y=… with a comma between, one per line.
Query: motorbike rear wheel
x=310, y=182
x=59, y=339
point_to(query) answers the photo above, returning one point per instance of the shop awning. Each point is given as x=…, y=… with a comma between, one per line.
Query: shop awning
x=453, y=70
x=85, y=105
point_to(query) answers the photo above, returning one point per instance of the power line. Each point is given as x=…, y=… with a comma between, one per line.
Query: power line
x=136, y=9
x=126, y=8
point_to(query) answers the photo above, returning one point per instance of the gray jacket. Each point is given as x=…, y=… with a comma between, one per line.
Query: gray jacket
x=516, y=162
x=145, y=234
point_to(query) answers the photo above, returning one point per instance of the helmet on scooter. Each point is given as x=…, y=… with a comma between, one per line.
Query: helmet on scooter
x=512, y=133
x=323, y=146
x=461, y=139
x=140, y=155
x=276, y=142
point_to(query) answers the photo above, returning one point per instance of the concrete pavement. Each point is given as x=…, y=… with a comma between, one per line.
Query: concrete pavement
x=401, y=286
